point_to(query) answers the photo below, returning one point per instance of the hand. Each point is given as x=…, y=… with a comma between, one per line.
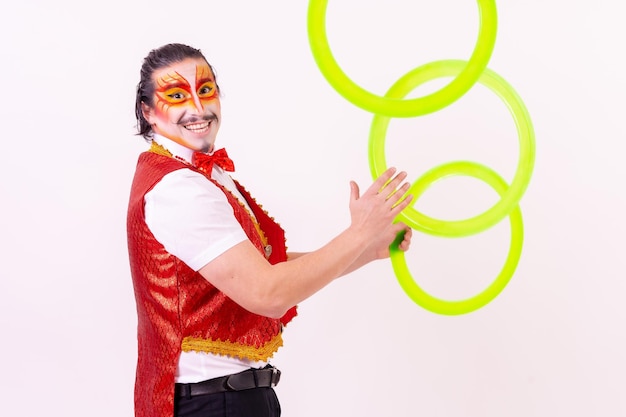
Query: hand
x=403, y=238
x=373, y=213
x=379, y=248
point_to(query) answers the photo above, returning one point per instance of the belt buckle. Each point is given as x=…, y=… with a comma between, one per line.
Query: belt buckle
x=275, y=377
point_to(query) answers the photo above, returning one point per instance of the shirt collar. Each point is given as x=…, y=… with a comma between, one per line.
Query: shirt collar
x=177, y=150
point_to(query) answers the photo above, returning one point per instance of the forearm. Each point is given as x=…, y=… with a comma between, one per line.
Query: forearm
x=361, y=261
x=270, y=290
x=346, y=253
x=403, y=241
x=289, y=283
x=295, y=255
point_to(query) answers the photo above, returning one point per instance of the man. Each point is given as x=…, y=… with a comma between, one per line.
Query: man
x=213, y=283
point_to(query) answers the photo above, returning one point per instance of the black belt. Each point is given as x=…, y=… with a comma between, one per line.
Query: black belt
x=248, y=379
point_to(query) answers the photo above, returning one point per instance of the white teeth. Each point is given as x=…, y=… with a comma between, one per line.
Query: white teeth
x=197, y=126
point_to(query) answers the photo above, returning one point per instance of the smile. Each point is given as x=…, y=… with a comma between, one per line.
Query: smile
x=198, y=127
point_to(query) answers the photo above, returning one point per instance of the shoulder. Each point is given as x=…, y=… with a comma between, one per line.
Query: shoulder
x=186, y=186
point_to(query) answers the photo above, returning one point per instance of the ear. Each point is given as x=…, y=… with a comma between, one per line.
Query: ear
x=147, y=112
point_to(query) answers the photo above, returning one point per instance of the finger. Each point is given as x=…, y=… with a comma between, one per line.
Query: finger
x=400, y=202
x=397, y=194
x=381, y=181
x=405, y=233
x=404, y=246
x=394, y=190
x=406, y=243
x=354, y=191
x=392, y=184
x=401, y=227
x=400, y=231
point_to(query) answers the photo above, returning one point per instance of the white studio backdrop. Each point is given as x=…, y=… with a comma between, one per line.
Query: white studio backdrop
x=551, y=344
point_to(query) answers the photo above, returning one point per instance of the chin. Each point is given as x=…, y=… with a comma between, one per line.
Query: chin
x=197, y=144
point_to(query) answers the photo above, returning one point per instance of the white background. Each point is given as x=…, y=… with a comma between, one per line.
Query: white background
x=552, y=343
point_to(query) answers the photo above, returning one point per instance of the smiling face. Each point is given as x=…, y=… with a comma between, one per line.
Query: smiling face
x=186, y=104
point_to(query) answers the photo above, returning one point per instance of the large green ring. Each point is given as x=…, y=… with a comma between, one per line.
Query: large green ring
x=437, y=305
x=395, y=107
x=510, y=197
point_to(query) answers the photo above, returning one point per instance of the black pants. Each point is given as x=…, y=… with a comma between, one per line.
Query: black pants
x=256, y=402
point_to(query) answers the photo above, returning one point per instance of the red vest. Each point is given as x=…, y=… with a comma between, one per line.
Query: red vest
x=178, y=309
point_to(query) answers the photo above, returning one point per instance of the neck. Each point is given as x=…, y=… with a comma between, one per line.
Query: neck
x=174, y=149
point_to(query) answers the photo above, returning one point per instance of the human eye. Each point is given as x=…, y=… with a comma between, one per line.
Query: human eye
x=175, y=95
x=206, y=90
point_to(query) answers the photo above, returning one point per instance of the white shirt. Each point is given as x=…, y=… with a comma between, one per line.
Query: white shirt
x=192, y=218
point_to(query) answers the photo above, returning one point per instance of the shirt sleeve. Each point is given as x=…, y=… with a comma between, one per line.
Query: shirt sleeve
x=192, y=218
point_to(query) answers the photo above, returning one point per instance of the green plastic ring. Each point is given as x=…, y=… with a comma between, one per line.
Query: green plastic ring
x=513, y=194
x=394, y=107
x=445, y=307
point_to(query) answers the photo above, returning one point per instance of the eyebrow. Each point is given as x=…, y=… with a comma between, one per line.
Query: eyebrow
x=204, y=74
x=176, y=84
x=204, y=80
x=173, y=81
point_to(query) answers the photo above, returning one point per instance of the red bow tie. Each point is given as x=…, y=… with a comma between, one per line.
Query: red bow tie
x=204, y=162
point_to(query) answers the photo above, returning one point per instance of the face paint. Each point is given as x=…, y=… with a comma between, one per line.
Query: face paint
x=186, y=104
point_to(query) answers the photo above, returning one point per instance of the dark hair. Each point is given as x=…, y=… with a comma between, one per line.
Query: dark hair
x=159, y=58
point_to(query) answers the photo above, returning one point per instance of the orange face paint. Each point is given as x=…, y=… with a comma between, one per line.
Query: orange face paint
x=186, y=104
x=174, y=89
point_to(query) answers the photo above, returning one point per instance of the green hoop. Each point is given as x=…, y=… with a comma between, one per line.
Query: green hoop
x=445, y=307
x=510, y=197
x=394, y=107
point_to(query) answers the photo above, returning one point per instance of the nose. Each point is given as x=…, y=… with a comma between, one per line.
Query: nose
x=197, y=103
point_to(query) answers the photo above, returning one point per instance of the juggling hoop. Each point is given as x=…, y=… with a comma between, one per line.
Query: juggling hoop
x=394, y=107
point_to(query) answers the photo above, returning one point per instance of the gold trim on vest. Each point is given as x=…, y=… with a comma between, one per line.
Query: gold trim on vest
x=262, y=353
